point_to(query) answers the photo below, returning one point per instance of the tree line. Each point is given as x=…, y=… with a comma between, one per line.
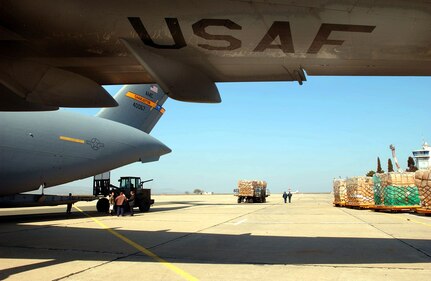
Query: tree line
x=410, y=164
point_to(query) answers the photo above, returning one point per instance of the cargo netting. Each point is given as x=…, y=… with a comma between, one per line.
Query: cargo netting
x=360, y=191
x=395, y=189
x=248, y=187
x=340, y=191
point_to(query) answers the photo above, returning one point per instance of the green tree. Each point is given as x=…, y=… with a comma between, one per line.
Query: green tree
x=411, y=165
x=379, y=167
x=198, y=191
x=370, y=173
x=390, y=166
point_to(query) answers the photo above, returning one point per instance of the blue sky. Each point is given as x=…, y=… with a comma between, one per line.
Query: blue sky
x=292, y=136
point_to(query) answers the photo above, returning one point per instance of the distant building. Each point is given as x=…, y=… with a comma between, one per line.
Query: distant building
x=423, y=157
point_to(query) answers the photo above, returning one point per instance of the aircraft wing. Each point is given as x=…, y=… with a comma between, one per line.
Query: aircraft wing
x=58, y=53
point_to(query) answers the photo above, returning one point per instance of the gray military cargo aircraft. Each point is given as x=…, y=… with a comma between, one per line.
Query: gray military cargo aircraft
x=58, y=53
x=51, y=148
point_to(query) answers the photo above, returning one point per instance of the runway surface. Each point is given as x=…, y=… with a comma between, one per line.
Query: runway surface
x=211, y=237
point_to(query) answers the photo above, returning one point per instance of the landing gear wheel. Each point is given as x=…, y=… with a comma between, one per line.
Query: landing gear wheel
x=102, y=205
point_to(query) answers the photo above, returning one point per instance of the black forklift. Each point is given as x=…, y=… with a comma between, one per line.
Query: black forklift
x=102, y=187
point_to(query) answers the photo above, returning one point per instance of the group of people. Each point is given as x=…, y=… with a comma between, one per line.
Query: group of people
x=120, y=202
x=287, y=195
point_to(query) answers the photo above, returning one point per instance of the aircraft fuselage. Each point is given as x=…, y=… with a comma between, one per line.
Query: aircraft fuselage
x=52, y=148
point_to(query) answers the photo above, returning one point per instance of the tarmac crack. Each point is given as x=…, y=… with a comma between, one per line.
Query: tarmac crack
x=390, y=235
x=359, y=267
x=300, y=265
x=59, y=249
x=80, y=251
x=95, y=266
x=26, y=230
x=206, y=228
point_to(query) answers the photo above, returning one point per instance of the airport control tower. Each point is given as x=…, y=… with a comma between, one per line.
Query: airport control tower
x=423, y=157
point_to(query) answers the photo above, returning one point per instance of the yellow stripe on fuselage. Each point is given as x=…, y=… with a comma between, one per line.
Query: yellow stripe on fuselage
x=72, y=139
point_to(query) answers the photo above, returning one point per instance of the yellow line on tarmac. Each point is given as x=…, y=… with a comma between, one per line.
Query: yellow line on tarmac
x=407, y=219
x=143, y=250
x=419, y=222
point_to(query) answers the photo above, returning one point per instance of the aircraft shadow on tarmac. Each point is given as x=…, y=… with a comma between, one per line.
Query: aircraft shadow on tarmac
x=60, y=214
x=60, y=244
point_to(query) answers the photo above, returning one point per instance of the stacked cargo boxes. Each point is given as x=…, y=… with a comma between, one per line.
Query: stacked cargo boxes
x=340, y=192
x=360, y=192
x=251, y=191
x=394, y=190
x=247, y=187
x=423, y=182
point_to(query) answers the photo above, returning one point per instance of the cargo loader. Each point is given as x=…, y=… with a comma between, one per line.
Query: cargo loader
x=102, y=187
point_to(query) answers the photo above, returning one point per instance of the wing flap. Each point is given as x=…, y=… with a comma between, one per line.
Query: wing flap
x=12, y=102
x=180, y=81
x=50, y=87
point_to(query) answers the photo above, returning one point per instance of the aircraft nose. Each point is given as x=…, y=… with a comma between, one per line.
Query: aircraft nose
x=151, y=149
x=164, y=149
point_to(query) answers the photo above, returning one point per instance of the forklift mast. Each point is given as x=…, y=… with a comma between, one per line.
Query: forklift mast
x=102, y=184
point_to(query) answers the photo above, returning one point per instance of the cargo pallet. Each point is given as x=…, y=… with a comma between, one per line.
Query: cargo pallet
x=423, y=211
x=358, y=206
x=339, y=204
x=383, y=208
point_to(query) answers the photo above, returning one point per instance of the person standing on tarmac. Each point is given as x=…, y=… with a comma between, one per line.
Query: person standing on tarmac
x=289, y=195
x=111, y=203
x=69, y=205
x=285, y=197
x=131, y=202
x=120, y=200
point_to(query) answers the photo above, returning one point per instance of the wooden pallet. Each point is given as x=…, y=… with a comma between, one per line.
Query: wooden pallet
x=339, y=204
x=358, y=206
x=423, y=211
x=394, y=208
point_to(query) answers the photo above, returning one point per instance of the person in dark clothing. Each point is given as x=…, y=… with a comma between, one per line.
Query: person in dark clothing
x=131, y=202
x=285, y=196
x=69, y=205
x=289, y=195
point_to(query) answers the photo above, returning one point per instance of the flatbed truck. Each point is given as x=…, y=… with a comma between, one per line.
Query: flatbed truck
x=251, y=191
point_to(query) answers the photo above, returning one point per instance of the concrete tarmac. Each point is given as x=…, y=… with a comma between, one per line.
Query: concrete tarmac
x=211, y=237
